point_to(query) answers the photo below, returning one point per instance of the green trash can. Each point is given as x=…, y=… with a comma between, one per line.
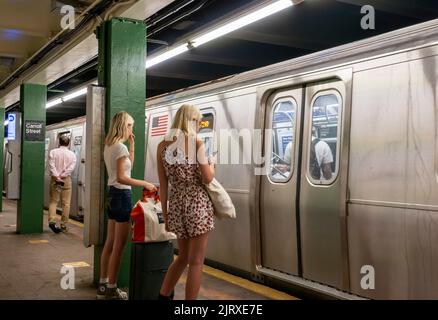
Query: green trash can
x=149, y=264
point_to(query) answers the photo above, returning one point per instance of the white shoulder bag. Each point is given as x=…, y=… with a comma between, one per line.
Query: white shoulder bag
x=223, y=206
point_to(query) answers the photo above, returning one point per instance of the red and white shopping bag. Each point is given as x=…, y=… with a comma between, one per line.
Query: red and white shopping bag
x=147, y=220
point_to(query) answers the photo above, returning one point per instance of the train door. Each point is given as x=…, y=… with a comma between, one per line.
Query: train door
x=322, y=191
x=81, y=171
x=278, y=219
x=50, y=143
x=77, y=185
x=302, y=195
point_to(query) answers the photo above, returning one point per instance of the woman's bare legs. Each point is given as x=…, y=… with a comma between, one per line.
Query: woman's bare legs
x=121, y=232
x=107, y=249
x=176, y=268
x=197, y=247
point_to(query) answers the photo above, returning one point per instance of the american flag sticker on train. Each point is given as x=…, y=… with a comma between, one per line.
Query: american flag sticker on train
x=159, y=125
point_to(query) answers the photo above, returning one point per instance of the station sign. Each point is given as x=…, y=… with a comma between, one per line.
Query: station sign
x=34, y=130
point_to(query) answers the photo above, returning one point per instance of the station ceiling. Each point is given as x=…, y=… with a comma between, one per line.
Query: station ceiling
x=310, y=26
x=27, y=25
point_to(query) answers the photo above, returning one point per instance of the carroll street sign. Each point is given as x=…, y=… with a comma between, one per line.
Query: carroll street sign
x=34, y=130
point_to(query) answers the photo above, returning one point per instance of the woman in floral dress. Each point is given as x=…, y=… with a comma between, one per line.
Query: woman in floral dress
x=184, y=167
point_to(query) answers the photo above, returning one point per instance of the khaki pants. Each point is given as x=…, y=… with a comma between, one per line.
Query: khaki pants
x=55, y=193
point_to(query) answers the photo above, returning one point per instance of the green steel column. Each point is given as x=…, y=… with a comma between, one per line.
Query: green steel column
x=31, y=204
x=2, y=138
x=122, y=59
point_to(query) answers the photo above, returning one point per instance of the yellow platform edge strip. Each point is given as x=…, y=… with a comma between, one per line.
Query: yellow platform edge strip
x=38, y=241
x=76, y=223
x=249, y=285
x=78, y=264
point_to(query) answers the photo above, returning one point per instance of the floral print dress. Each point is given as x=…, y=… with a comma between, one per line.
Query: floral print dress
x=190, y=211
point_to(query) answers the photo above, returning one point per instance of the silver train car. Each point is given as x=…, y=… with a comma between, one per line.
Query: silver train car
x=75, y=129
x=371, y=229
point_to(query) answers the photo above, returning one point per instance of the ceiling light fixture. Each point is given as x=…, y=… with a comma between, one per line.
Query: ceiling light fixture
x=242, y=22
x=166, y=55
x=53, y=103
x=220, y=31
x=74, y=94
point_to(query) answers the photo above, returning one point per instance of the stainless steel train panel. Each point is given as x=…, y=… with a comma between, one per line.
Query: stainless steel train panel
x=322, y=202
x=393, y=179
x=394, y=147
x=76, y=136
x=278, y=190
x=401, y=245
x=229, y=243
x=50, y=144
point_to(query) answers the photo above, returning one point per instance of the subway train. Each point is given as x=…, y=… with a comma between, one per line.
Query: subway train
x=367, y=229
x=371, y=228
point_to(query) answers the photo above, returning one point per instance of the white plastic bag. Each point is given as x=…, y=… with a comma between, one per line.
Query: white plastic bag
x=223, y=206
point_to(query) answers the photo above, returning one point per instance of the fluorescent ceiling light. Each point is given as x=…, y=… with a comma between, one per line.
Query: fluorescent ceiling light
x=53, y=103
x=166, y=55
x=75, y=94
x=220, y=31
x=242, y=22
x=69, y=96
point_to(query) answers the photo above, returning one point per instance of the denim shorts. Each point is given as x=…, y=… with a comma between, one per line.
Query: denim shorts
x=119, y=204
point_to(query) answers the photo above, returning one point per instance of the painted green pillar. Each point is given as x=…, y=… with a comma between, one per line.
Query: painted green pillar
x=122, y=59
x=2, y=138
x=30, y=208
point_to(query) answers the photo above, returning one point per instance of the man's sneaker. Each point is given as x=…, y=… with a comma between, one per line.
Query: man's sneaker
x=115, y=294
x=64, y=228
x=54, y=227
x=101, y=291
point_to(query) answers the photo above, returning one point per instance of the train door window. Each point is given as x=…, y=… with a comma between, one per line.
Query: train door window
x=323, y=152
x=206, y=130
x=283, y=121
x=63, y=133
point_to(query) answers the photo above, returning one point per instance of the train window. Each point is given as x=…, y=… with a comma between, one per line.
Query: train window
x=281, y=162
x=324, y=143
x=206, y=131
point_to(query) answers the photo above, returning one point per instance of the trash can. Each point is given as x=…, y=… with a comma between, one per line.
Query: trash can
x=149, y=264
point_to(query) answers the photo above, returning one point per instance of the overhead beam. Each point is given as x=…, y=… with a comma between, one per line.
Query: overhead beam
x=401, y=8
x=278, y=40
x=153, y=83
x=176, y=75
x=216, y=60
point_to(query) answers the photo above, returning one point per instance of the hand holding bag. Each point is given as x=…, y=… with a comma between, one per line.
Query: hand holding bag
x=223, y=206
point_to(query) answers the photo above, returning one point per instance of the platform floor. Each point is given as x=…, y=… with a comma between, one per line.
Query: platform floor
x=30, y=267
